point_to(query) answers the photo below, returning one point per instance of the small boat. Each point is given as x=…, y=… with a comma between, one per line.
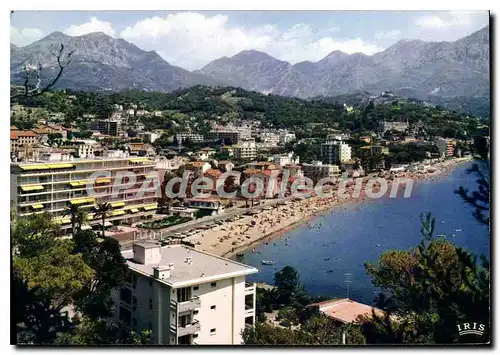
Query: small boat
x=326, y=259
x=239, y=254
x=266, y=243
x=441, y=236
x=378, y=245
x=458, y=230
x=267, y=262
x=329, y=270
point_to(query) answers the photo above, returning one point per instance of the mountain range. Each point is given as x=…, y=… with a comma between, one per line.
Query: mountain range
x=410, y=68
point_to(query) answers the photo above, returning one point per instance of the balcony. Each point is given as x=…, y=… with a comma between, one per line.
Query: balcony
x=186, y=306
x=189, y=305
x=249, y=288
x=249, y=310
x=190, y=328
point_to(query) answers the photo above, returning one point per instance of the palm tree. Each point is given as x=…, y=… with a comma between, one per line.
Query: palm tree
x=102, y=212
x=78, y=218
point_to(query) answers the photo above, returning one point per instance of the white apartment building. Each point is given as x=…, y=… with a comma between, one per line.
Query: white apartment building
x=335, y=152
x=245, y=150
x=85, y=150
x=150, y=136
x=446, y=147
x=195, y=138
x=54, y=185
x=285, y=159
x=286, y=137
x=271, y=138
x=317, y=170
x=186, y=296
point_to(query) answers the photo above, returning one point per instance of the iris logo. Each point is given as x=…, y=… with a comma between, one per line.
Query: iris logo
x=470, y=328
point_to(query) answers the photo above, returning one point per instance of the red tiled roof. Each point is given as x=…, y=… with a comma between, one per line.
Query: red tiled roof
x=25, y=133
x=13, y=135
x=197, y=163
x=213, y=172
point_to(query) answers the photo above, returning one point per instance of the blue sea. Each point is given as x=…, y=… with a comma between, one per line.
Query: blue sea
x=330, y=251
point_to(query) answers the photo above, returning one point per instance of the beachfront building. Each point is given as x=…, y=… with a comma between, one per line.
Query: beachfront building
x=210, y=206
x=317, y=170
x=335, y=152
x=286, y=159
x=185, y=296
x=446, y=147
x=370, y=150
x=245, y=150
x=57, y=181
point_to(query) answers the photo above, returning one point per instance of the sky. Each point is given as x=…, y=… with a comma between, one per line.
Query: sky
x=191, y=39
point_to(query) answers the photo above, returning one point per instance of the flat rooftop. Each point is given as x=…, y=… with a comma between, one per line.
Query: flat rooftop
x=205, y=267
x=345, y=310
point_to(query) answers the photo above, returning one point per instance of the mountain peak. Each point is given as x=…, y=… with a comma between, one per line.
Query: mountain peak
x=96, y=35
x=57, y=35
x=334, y=56
x=253, y=55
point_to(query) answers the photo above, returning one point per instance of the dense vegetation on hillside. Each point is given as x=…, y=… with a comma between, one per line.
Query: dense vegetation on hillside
x=308, y=118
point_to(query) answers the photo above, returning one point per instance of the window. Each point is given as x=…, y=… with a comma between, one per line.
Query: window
x=212, y=307
x=184, y=294
x=195, y=312
x=150, y=304
x=125, y=315
x=126, y=295
x=212, y=331
x=150, y=282
x=195, y=335
x=213, y=284
x=196, y=288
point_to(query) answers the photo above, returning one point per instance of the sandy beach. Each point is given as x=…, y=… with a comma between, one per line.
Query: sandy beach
x=231, y=238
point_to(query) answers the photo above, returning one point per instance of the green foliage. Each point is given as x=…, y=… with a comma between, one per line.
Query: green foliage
x=90, y=331
x=36, y=319
x=410, y=152
x=479, y=199
x=429, y=289
x=33, y=233
x=318, y=330
x=51, y=274
x=57, y=272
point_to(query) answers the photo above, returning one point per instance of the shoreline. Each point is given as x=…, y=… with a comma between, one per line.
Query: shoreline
x=240, y=236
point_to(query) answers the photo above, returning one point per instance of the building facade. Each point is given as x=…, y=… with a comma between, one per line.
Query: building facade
x=53, y=185
x=335, y=152
x=286, y=159
x=109, y=127
x=233, y=136
x=185, y=296
x=318, y=170
x=245, y=150
x=385, y=126
x=195, y=138
x=446, y=147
